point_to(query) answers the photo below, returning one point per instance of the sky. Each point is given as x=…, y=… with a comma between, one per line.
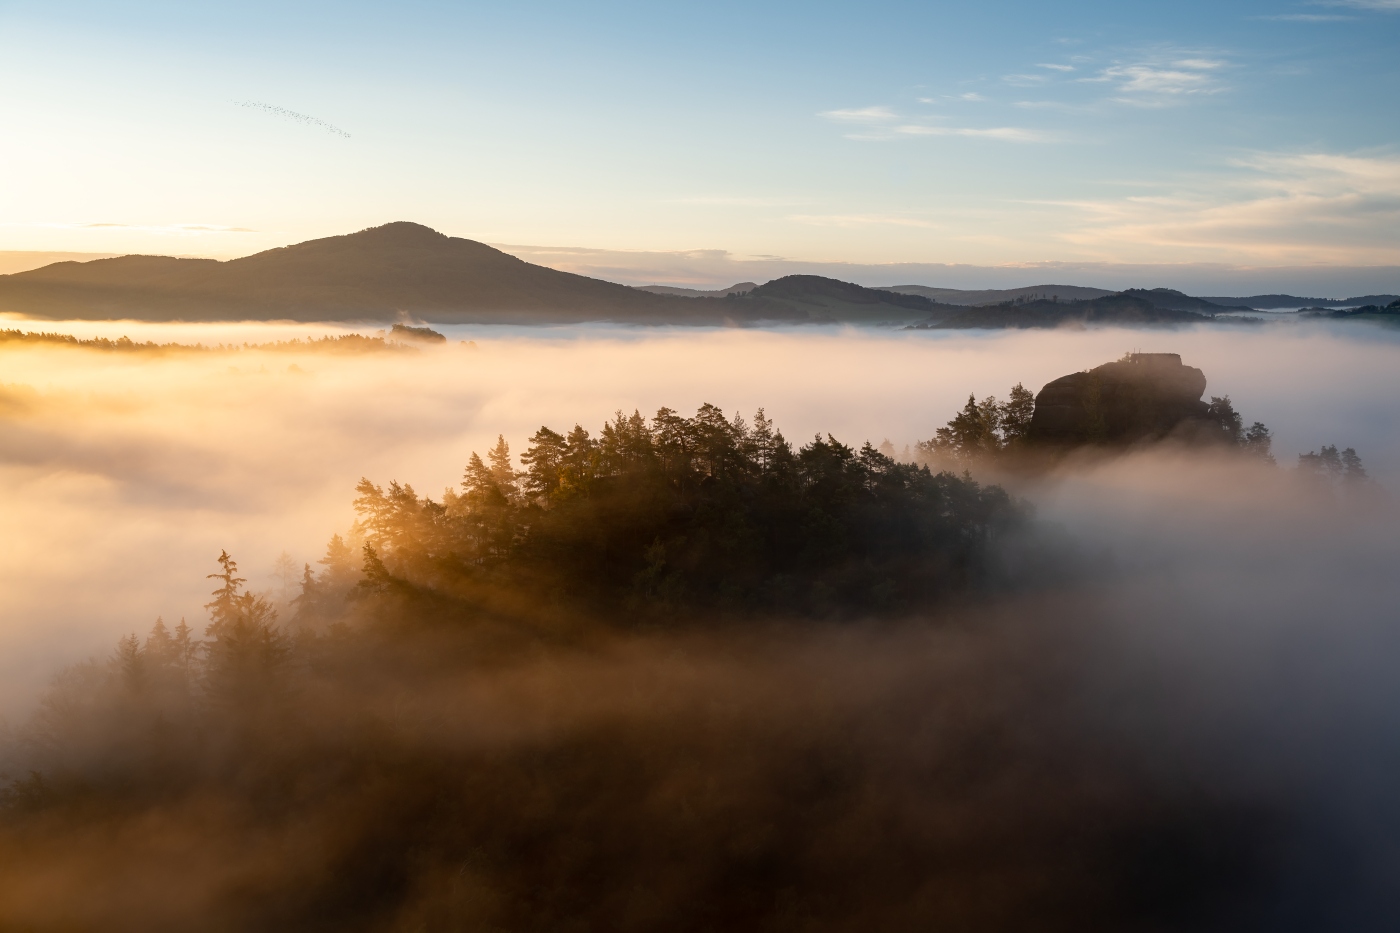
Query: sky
x=998, y=135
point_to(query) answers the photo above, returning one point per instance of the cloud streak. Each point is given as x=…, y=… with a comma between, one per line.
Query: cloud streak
x=1385, y=6
x=883, y=123
x=1318, y=207
x=1157, y=83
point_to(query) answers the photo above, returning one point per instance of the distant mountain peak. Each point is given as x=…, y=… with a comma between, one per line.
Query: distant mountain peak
x=400, y=232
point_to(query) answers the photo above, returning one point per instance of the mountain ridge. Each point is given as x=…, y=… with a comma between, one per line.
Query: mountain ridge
x=384, y=273
x=404, y=270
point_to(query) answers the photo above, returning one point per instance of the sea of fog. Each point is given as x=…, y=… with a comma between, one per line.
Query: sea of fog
x=122, y=475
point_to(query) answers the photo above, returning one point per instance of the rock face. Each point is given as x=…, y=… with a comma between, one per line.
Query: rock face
x=1142, y=397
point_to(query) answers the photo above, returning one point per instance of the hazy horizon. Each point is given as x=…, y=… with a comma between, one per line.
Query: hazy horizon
x=714, y=268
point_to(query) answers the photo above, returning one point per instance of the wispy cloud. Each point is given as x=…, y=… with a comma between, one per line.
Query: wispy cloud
x=1161, y=81
x=1023, y=80
x=883, y=124
x=292, y=115
x=1054, y=67
x=1274, y=207
x=863, y=115
x=1390, y=6
x=1186, y=78
x=1014, y=134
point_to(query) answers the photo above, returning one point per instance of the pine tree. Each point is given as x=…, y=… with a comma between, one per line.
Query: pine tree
x=502, y=472
x=225, y=607
x=245, y=651
x=1015, y=415
x=1222, y=412
x=159, y=644
x=186, y=647
x=544, y=462
x=763, y=437
x=477, y=480
x=1352, y=470
x=131, y=663
x=1258, y=441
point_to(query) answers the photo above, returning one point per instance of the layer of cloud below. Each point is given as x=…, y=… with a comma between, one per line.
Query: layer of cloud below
x=124, y=475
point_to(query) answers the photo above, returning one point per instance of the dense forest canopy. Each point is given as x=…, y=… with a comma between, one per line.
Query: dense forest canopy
x=657, y=517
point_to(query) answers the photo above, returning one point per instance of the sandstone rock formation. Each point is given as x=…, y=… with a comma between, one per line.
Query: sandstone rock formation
x=1144, y=396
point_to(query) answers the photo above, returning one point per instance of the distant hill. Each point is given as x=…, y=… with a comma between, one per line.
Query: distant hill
x=1389, y=314
x=374, y=275
x=1120, y=309
x=1267, y=302
x=385, y=273
x=994, y=296
x=1172, y=300
x=698, y=292
x=817, y=300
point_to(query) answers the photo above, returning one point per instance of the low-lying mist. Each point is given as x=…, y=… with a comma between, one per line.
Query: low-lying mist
x=1184, y=718
x=124, y=474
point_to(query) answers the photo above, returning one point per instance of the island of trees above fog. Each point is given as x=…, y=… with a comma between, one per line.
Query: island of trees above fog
x=465, y=719
x=384, y=272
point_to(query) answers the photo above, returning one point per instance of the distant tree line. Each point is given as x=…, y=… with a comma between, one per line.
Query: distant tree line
x=343, y=343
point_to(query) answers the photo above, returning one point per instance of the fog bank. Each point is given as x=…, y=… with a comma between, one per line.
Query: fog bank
x=125, y=474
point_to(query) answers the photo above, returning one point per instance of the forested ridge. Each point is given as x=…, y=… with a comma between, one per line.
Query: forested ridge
x=651, y=519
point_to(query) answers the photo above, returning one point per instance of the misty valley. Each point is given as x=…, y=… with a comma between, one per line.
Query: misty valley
x=700, y=468
x=1100, y=653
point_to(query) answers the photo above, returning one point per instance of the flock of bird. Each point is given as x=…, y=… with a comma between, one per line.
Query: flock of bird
x=293, y=115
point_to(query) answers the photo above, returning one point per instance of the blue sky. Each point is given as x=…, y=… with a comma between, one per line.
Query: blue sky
x=1248, y=133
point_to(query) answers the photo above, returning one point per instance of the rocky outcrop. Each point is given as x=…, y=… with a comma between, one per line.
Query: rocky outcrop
x=1144, y=396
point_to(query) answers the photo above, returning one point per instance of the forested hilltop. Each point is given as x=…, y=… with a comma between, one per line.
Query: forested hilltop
x=679, y=514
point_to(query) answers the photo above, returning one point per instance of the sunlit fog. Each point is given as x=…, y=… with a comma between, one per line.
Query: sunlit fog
x=126, y=473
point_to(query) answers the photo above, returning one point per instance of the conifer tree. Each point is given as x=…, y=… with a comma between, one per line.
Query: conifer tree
x=1014, y=415
x=544, y=462
x=502, y=472
x=1352, y=470
x=1258, y=441
x=763, y=439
